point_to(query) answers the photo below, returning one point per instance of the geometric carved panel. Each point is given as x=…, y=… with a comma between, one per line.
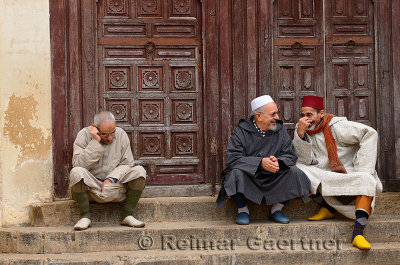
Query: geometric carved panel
x=180, y=30
x=350, y=51
x=287, y=110
x=150, y=78
x=362, y=108
x=149, y=8
x=286, y=78
x=124, y=53
x=296, y=31
x=350, y=29
x=116, y=7
x=175, y=53
x=151, y=144
x=339, y=8
x=183, y=111
x=120, y=109
x=360, y=8
x=360, y=76
x=184, y=144
x=118, y=78
x=307, y=9
x=183, y=79
x=342, y=106
x=111, y=29
x=285, y=8
x=297, y=54
x=181, y=8
x=307, y=78
x=151, y=111
x=341, y=73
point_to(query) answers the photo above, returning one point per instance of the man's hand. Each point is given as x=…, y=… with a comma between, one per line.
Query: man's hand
x=270, y=164
x=107, y=181
x=304, y=123
x=95, y=133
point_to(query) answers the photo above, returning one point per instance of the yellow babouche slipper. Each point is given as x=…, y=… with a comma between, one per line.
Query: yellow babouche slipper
x=361, y=243
x=322, y=215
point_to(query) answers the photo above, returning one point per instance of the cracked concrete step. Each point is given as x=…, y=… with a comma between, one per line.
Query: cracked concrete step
x=170, y=209
x=381, y=253
x=116, y=238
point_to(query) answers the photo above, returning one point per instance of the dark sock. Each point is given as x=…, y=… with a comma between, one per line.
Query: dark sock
x=132, y=198
x=320, y=200
x=239, y=199
x=82, y=201
x=327, y=206
x=359, y=225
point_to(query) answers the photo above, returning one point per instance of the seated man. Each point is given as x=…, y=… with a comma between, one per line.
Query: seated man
x=103, y=170
x=339, y=158
x=260, y=164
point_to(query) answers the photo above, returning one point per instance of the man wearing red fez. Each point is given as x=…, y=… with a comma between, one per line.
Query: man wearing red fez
x=339, y=157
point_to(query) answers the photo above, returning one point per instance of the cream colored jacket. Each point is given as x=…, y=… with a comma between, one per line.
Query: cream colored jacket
x=113, y=160
x=357, y=150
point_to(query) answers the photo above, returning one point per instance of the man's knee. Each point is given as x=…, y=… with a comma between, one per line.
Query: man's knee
x=78, y=172
x=137, y=184
x=79, y=187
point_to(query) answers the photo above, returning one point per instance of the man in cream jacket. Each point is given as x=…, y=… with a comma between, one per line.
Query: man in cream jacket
x=103, y=170
x=339, y=157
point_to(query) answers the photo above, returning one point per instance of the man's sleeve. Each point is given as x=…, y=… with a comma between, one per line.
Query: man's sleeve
x=86, y=154
x=366, y=140
x=236, y=156
x=303, y=149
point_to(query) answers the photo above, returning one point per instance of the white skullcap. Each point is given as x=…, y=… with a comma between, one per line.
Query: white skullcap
x=260, y=101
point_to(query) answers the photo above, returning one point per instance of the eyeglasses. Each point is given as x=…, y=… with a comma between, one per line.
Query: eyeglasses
x=106, y=134
x=271, y=114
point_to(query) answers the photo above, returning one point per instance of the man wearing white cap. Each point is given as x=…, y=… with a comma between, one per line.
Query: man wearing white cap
x=260, y=164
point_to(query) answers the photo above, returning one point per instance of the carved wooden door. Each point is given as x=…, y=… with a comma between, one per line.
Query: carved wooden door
x=150, y=76
x=325, y=48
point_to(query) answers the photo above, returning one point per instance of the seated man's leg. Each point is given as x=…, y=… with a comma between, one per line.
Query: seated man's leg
x=243, y=217
x=133, y=194
x=325, y=212
x=79, y=193
x=363, y=210
x=276, y=213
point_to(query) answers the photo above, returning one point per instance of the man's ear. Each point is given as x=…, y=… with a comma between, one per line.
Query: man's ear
x=322, y=113
x=257, y=116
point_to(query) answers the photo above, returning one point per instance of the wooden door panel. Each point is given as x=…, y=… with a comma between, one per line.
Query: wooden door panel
x=350, y=60
x=150, y=78
x=298, y=55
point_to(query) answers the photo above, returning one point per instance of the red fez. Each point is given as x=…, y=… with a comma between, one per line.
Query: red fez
x=313, y=101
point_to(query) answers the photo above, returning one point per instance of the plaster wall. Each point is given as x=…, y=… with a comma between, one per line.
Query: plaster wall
x=25, y=109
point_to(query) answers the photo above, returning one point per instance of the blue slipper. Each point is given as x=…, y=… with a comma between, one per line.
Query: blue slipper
x=243, y=218
x=279, y=217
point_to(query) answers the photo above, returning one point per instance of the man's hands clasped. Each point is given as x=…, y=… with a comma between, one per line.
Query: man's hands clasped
x=270, y=164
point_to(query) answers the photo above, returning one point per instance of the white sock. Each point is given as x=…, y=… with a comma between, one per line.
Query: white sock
x=244, y=209
x=276, y=207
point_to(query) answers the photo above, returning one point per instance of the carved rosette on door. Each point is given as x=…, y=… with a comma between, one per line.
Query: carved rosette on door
x=149, y=76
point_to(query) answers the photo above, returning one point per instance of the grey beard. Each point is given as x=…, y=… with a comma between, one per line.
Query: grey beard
x=272, y=127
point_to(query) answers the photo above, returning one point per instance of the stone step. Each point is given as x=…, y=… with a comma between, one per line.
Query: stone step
x=381, y=253
x=170, y=209
x=47, y=240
